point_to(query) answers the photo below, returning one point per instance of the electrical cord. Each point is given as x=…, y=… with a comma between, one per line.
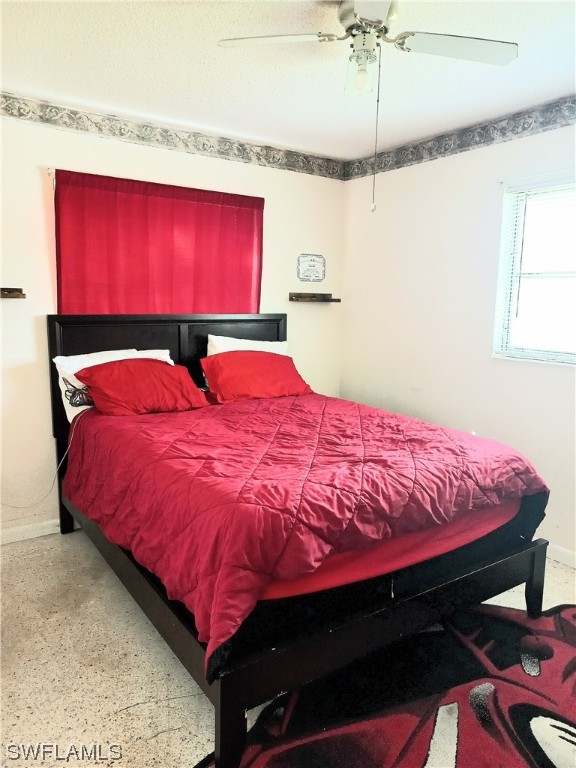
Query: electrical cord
x=35, y=503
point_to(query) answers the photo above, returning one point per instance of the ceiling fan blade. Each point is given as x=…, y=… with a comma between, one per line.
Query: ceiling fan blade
x=374, y=10
x=456, y=47
x=314, y=37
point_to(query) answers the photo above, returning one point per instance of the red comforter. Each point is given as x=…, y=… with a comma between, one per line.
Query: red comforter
x=221, y=500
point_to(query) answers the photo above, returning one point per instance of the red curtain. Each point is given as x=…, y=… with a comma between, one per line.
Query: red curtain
x=133, y=247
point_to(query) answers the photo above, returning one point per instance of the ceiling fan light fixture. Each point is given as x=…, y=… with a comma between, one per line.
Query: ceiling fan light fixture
x=364, y=57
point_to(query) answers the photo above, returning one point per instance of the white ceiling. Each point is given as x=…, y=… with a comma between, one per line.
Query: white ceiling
x=159, y=61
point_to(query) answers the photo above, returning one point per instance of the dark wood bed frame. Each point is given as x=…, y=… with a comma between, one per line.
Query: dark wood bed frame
x=251, y=681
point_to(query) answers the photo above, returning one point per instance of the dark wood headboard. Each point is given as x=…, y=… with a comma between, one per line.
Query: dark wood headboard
x=184, y=335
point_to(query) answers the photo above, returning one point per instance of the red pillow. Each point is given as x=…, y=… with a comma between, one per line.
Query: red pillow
x=241, y=375
x=141, y=386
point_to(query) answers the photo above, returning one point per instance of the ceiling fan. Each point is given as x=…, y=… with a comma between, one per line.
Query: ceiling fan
x=367, y=23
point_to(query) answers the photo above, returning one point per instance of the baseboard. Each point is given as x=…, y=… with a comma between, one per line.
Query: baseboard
x=562, y=555
x=32, y=531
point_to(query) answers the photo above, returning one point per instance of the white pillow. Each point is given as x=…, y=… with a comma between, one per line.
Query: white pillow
x=217, y=344
x=75, y=394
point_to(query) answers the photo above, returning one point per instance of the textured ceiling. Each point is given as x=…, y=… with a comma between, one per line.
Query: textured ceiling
x=160, y=61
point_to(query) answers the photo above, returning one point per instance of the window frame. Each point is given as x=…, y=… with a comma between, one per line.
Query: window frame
x=509, y=268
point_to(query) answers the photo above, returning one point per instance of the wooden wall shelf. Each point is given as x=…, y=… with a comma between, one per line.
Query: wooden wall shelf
x=320, y=298
x=12, y=293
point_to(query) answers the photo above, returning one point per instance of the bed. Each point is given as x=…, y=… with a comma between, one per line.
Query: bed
x=292, y=637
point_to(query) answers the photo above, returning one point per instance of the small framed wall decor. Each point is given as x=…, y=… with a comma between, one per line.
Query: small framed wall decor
x=311, y=268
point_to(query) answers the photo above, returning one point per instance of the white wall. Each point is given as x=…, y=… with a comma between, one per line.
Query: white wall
x=302, y=214
x=420, y=277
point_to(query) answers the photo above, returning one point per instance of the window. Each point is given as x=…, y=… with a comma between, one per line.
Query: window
x=536, y=302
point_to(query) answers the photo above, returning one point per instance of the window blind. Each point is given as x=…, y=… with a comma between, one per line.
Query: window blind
x=536, y=301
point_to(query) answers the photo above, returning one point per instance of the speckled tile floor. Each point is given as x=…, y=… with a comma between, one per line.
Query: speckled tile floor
x=81, y=664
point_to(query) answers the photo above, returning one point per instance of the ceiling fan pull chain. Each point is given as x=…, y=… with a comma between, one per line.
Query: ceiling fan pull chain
x=373, y=208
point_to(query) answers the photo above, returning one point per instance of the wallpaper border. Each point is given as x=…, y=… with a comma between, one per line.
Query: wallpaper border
x=546, y=117
x=554, y=114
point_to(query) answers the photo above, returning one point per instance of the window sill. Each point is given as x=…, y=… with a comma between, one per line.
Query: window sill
x=528, y=357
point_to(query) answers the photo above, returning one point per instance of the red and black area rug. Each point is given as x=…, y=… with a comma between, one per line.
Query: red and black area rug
x=490, y=689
